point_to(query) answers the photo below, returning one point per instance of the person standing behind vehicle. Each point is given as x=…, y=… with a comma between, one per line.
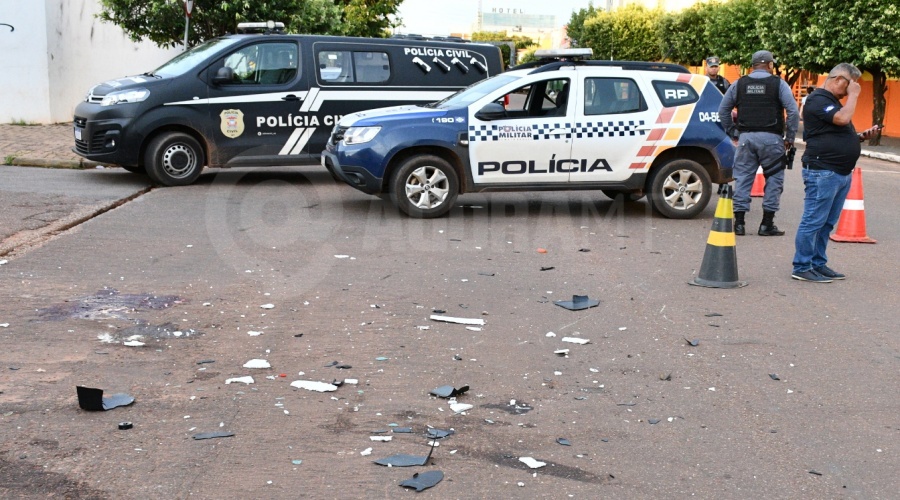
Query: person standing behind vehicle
x=761, y=136
x=712, y=71
x=832, y=149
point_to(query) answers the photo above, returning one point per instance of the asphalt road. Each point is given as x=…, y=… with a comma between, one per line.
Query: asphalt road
x=201, y=260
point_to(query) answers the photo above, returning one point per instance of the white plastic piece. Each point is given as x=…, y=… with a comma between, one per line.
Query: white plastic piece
x=257, y=363
x=383, y=439
x=550, y=334
x=245, y=380
x=254, y=334
x=474, y=328
x=461, y=407
x=351, y=381
x=532, y=463
x=575, y=340
x=561, y=351
x=268, y=306
x=133, y=343
x=460, y=321
x=4, y=325
x=310, y=385
x=366, y=452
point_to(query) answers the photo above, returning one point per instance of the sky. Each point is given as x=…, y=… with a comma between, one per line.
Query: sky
x=442, y=17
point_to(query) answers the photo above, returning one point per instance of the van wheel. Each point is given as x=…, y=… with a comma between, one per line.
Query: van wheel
x=424, y=187
x=135, y=170
x=681, y=189
x=174, y=159
x=629, y=195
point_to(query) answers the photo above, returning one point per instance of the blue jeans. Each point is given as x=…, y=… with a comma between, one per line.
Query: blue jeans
x=825, y=195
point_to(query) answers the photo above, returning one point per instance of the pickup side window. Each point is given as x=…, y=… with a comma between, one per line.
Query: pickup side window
x=543, y=98
x=345, y=66
x=675, y=93
x=612, y=96
x=264, y=64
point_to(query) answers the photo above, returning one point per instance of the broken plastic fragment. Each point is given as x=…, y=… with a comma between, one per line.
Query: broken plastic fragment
x=561, y=352
x=381, y=358
x=296, y=462
x=578, y=303
x=402, y=430
x=448, y=391
x=563, y=441
x=549, y=268
x=268, y=306
x=381, y=438
x=212, y=435
x=124, y=426
x=474, y=328
x=246, y=380
x=693, y=343
x=404, y=460
x=366, y=452
x=532, y=463
x=575, y=340
x=460, y=407
x=424, y=480
x=712, y=315
x=486, y=274
x=653, y=421
x=257, y=363
x=460, y=321
x=314, y=386
x=254, y=334
x=774, y=376
x=92, y=399
x=132, y=343
x=438, y=433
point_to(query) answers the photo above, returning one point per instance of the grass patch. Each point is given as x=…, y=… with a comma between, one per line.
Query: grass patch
x=9, y=160
x=23, y=123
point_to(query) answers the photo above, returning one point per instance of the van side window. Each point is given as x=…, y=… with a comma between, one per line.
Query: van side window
x=344, y=66
x=609, y=96
x=264, y=64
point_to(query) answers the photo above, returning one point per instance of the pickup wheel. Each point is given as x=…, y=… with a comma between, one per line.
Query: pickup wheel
x=681, y=189
x=629, y=195
x=174, y=159
x=424, y=187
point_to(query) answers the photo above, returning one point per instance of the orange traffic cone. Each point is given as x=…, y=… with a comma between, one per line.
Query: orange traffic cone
x=759, y=184
x=852, y=224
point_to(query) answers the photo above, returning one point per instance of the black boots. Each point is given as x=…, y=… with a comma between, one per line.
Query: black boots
x=739, y=228
x=767, y=227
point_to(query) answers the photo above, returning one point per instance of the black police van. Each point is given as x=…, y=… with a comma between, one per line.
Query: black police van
x=263, y=99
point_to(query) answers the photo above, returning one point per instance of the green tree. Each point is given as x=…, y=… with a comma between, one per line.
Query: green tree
x=627, y=33
x=683, y=35
x=819, y=34
x=575, y=28
x=496, y=37
x=732, y=30
x=162, y=21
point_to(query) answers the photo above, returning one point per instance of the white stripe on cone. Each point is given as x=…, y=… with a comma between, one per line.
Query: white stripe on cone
x=854, y=205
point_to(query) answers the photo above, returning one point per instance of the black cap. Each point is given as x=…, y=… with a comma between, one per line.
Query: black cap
x=712, y=61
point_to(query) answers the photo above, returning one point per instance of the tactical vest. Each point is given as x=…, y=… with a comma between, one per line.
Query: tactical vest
x=759, y=106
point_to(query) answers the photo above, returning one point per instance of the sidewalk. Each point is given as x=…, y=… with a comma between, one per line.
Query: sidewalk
x=51, y=146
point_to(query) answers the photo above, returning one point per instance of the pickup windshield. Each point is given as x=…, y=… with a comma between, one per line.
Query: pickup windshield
x=186, y=61
x=474, y=92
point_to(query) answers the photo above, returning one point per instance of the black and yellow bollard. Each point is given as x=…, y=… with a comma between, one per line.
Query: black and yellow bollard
x=719, y=267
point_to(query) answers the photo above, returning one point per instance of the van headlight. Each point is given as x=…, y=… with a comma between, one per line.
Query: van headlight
x=360, y=135
x=125, y=96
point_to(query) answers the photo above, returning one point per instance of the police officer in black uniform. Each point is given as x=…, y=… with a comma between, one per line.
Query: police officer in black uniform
x=761, y=134
x=712, y=71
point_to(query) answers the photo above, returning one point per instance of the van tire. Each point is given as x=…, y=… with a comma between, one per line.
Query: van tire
x=424, y=187
x=680, y=189
x=174, y=159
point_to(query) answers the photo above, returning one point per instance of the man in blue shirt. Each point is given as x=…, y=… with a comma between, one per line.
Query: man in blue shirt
x=832, y=149
x=761, y=135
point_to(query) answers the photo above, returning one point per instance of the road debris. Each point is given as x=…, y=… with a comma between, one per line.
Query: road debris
x=268, y=306
x=366, y=452
x=244, y=380
x=92, y=399
x=212, y=435
x=448, y=391
x=314, y=386
x=257, y=363
x=459, y=321
x=532, y=463
x=774, y=376
x=424, y=480
x=563, y=441
x=124, y=426
x=433, y=433
x=578, y=303
x=576, y=340
x=401, y=460
x=693, y=343
x=460, y=407
x=383, y=439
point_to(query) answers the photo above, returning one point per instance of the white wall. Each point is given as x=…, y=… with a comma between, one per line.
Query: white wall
x=59, y=49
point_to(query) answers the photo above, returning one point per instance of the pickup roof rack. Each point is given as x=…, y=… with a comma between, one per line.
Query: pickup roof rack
x=542, y=66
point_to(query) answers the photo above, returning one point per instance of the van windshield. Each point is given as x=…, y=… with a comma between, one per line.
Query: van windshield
x=186, y=61
x=474, y=92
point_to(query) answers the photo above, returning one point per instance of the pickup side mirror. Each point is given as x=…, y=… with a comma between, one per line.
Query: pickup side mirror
x=491, y=111
x=223, y=75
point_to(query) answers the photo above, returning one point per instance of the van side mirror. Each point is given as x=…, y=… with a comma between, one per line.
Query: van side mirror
x=491, y=111
x=223, y=75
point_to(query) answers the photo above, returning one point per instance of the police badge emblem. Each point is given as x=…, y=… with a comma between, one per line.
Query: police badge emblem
x=232, y=123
